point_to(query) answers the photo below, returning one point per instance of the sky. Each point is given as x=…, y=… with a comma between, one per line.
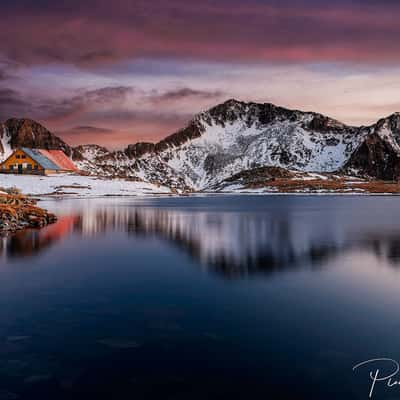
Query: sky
x=122, y=71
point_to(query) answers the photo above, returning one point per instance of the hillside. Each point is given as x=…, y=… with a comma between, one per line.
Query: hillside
x=231, y=138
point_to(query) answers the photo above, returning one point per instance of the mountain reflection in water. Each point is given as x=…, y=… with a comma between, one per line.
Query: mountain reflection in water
x=228, y=242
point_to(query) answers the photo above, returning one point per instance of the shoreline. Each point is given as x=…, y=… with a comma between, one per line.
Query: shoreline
x=205, y=194
x=26, y=214
x=68, y=186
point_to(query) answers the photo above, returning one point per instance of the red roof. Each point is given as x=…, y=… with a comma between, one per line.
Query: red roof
x=59, y=158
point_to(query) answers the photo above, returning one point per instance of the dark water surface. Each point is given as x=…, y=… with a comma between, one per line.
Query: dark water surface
x=266, y=297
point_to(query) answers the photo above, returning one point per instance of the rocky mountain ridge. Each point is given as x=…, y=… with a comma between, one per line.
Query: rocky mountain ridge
x=16, y=133
x=378, y=156
x=228, y=139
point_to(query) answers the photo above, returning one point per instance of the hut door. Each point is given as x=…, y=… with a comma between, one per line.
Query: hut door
x=20, y=168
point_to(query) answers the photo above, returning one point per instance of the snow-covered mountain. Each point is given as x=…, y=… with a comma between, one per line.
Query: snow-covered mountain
x=230, y=138
x=237, y=136
x=233, y=137
x=147, y=167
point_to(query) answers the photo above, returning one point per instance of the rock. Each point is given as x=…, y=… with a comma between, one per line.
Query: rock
x=28, y=133
x=139, y=149
x=19, y=212
x=378, y=156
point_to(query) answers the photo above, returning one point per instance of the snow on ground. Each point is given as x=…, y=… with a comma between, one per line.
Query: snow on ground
x=238, y=188
x=268, y=190
x=79, y=186
x=312, y=176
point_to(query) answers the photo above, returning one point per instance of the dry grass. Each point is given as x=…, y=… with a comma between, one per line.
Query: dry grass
x=14, y=191
x=379, y=187
x=339, y=185
x=18, y=211
x=7, y=211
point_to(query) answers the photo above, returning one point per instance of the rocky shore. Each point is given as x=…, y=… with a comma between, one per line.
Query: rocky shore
x=20, y=212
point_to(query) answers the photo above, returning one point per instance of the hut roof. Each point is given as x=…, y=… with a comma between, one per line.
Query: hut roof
x=59, y=158
x=37, y=156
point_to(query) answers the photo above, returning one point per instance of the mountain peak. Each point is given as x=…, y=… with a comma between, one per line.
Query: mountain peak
x=232, y=102
x=391, y=122
x=394, y=116
x=25, y=132
x=23, y=121
x=235, y=102
x=239, y=104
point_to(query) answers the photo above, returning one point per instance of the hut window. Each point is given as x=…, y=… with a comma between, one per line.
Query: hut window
x=11, y=167
x=23, y=156
x=29, y=166
x=18, y=156
x=36, y=167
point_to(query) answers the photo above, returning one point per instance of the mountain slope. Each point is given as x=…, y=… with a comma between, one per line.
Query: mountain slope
x=378, y=156
x=237, y=136
x=231, y=138
x=16, y=133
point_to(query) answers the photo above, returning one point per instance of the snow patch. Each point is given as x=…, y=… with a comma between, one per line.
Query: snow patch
x=5, y=140
x=79, y=186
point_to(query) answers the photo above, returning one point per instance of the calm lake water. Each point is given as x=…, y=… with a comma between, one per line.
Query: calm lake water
x=266, y=297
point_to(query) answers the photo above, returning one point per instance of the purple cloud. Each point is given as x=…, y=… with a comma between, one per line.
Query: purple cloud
x=92, y=32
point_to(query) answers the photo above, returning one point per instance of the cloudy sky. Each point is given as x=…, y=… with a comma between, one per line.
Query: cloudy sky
x=121, y=71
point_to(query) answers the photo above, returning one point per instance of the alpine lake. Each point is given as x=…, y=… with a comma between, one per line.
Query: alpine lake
x=203, y=297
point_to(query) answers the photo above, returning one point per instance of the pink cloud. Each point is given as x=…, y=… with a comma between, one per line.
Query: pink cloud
x=92, y=34
x=292, y=31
